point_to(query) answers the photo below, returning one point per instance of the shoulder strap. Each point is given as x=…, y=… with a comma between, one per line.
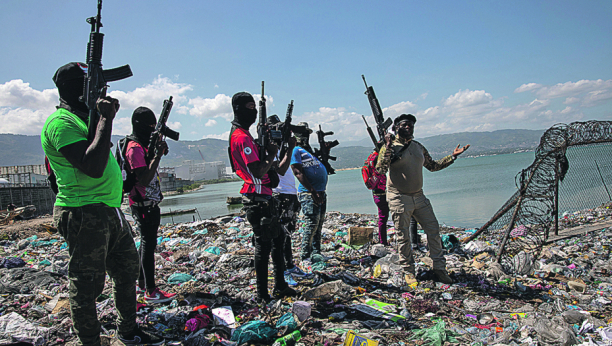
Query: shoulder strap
x=396, y=156
x=404, y=147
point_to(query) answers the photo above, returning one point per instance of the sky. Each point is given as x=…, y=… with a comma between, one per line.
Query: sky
x=456, y=65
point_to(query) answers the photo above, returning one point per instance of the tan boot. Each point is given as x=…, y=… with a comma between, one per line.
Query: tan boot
x=442, y=276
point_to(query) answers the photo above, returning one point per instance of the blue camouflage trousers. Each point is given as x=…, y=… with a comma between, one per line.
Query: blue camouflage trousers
x=314, y=216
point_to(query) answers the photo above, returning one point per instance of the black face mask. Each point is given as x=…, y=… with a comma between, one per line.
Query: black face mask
x=143, y=133
x=143, y=125
x=246, y=117
x=70, y=92
x=243, y=116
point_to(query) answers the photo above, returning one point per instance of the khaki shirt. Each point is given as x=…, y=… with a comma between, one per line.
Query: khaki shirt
x=405, y=175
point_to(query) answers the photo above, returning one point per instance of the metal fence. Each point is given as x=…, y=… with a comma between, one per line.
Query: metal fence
x=572, y=171
x=40, y=196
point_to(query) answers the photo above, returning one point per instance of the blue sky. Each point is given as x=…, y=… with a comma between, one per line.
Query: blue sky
x=457, y=65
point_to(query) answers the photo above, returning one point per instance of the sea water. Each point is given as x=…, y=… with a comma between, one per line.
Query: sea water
x=465, y=194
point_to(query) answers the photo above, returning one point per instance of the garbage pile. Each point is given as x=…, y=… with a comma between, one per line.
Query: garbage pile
x=352, y=293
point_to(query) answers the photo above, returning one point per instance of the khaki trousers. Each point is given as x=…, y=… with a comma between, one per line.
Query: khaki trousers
x=403, y=207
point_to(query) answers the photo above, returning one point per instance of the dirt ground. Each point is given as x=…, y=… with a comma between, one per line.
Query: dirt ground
x=21, y=229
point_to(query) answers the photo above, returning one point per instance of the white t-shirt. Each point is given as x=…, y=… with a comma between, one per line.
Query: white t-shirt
x=286, y=184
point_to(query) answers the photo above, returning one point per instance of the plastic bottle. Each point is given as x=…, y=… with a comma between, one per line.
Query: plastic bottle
x=288, y=340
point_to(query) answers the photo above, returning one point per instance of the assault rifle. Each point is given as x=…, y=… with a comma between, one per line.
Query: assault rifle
x=262, y=127
x=324, y=148
x=95, y=85
x=371, y=133
x=381, y=124
x=264, y=133
x=286, y=131
x=161, y=129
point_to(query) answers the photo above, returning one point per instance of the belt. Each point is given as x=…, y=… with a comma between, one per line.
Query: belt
x=256, y=198
x=145, y=204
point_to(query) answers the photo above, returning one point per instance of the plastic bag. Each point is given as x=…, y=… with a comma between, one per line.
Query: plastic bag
x=254, y=331
x=436, y=335
x=554, y=332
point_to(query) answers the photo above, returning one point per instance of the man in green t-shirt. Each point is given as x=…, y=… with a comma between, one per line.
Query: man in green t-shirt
x=87, y=212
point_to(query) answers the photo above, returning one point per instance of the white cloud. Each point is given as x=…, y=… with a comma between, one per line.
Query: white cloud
x=220, y=106
x=224, y=136
x=527, y=87
x=423, y=96
x=345, y=125
x=22, y=121
x=23, y=109
x=571, y=100
x=467, y=98
x=174, y=125
x=597, y=97
x=399, y=108
x=152, y=95
x=573, y=88
x=18, y=94
x=122, y=126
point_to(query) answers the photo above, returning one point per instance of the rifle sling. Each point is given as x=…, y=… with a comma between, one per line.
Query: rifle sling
x=395, y=157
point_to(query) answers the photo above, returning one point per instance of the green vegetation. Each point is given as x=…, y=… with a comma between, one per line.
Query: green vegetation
x=199, y=184
x=190, y=187
x=216, y=181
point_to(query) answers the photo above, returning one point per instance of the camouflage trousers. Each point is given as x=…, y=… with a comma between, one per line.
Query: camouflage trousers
x=99, y=241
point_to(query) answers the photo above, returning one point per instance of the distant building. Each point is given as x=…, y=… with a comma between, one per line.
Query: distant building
x=169, y=181
x=37, y=169
x=196, y=171
x=229, y=173
x=28, y=175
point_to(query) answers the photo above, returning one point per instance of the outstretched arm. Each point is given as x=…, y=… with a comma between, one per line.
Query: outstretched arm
x=458, y=150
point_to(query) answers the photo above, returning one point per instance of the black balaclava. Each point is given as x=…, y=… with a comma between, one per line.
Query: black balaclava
x=243, y=117
x=143, y=124
x=70, y=80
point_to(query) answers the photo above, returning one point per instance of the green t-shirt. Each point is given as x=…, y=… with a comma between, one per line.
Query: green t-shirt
x=76, y=188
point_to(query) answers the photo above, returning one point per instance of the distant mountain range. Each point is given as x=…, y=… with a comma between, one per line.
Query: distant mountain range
x=26, y=150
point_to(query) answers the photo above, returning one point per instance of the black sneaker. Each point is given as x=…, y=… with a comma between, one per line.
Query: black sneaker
x=286, y=292
x=263, y=300
x=140, y=337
